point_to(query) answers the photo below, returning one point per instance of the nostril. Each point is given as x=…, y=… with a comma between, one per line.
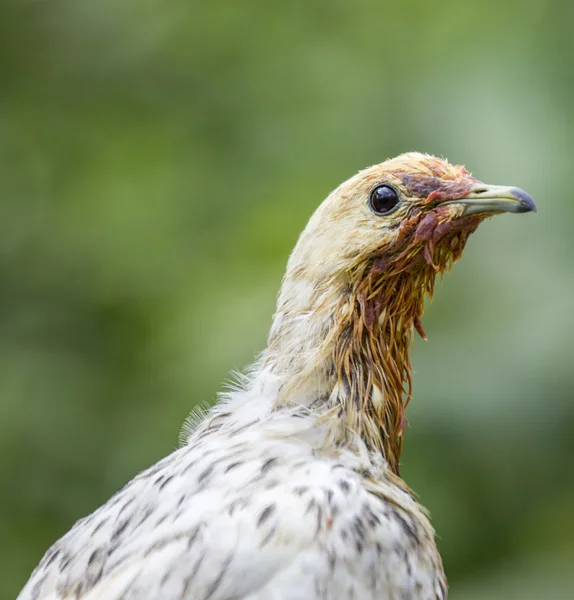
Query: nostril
x=480, y=191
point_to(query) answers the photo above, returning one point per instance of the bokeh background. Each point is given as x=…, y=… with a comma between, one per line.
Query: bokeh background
x=158, y=159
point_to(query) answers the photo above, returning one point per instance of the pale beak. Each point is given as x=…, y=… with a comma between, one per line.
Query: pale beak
x=494, y=199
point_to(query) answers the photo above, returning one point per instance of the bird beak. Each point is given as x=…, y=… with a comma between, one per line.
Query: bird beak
x=484, y=198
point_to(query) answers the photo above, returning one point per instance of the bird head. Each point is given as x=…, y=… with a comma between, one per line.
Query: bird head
x=356, y=282
x=397, y=215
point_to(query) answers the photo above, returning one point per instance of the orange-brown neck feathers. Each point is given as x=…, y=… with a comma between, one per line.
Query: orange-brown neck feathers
x=387, y=298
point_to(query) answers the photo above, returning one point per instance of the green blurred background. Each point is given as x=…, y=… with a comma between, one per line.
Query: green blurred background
x=158, y=160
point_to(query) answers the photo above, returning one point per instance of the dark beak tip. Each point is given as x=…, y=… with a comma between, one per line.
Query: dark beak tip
x=526, y=201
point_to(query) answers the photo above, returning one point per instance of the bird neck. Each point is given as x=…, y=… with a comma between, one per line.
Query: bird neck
x=346, y=348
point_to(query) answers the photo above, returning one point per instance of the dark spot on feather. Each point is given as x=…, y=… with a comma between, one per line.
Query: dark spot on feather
x=162, y=543
x=176, y=515
x=146, y=515
x=331, y=368
x=239, y=503
x=267, y=464
x=267, y=512
x=345, y=380
x=52, y=557
x=191, y=576
x=319, y=520
x=120, y=529
x=65, y=561
x=400, y=551
x=233, y=465
x=99, y=526
x=77, y=591
x=332, y=557
x=165, y=482
x=269, y=535
x=161, y=520
x=130, y=501
x=407, y=526
x=213, y=587
x=93, y=556
x=310, y=506
x=372, y=519
x=159, y=480
x=344, y=485
x=330, y=495
x=359, y=528
x=96, y=577
x=205, y=474
x=373, y=578
x=193, y=536
x=300, y=490
x=181, y=500
x=272, y=483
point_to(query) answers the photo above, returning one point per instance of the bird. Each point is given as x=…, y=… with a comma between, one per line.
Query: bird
x=289, y=487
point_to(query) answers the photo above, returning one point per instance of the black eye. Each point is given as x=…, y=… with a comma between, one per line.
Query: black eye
x=383, y=199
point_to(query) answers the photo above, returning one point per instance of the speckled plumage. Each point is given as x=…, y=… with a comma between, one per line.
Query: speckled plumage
x=288, y=489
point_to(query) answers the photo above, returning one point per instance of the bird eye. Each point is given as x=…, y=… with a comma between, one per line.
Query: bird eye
x=383, y=199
